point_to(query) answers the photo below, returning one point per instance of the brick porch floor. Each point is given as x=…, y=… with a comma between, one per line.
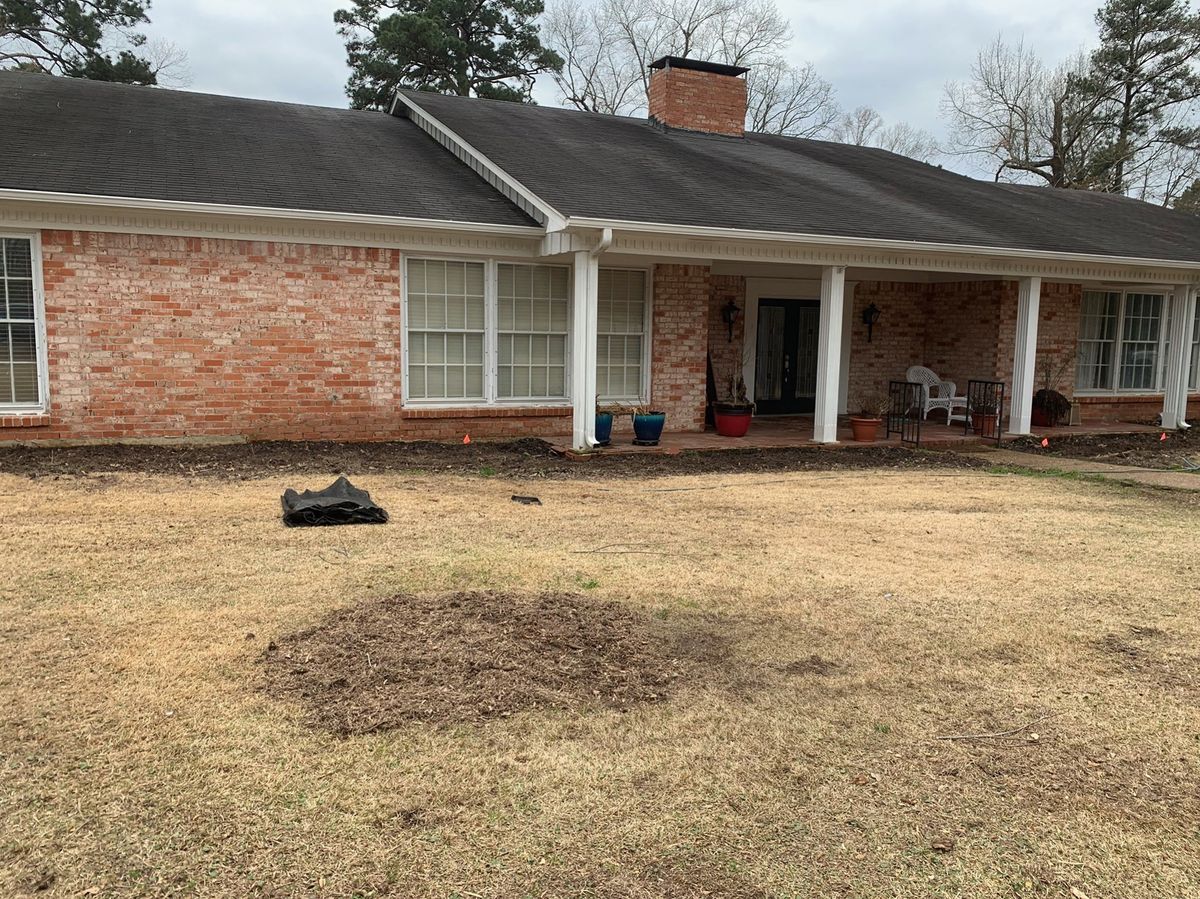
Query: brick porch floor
x=796, y=430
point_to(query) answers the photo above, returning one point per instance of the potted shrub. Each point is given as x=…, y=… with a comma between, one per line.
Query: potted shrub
x=1051, y=408
x=604, y=423
x=872, y=407
x=984, y=418
x=647, y=425
x=733, y=416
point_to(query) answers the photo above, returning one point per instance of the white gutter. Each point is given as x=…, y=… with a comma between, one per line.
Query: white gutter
x=700, y=231
x=606, y=239
x=269, y=212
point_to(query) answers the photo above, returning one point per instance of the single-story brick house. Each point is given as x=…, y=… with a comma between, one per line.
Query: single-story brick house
x=178, y=265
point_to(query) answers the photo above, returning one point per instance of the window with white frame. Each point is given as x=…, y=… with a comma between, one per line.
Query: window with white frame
x=1122, y=341
x=20, y=377
x=532, y=303
x=1194, y=368
x=447, y=328
x=621, y=335
x=482, y=332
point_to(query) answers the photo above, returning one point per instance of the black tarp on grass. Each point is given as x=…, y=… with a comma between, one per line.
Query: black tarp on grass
x=339, y=503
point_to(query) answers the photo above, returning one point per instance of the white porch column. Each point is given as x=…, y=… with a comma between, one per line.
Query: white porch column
x=583, y=350
x=1029, y=298
x=1179, y=347
x=829, y=353
x=847, y=334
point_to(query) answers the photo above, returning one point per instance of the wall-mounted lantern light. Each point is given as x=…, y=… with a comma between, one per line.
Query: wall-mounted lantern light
x=870, y=317
x=729, y=315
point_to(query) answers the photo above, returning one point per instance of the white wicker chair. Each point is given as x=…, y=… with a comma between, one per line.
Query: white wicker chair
x=936, y=393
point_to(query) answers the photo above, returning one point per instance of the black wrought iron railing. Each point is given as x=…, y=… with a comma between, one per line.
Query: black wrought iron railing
x=985, y=409
x=904, y=411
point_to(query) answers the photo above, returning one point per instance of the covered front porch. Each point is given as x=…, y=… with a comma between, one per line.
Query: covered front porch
x=812, y=344
x=786, y=431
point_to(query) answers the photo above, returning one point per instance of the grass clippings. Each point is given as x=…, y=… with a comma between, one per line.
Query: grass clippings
x=470, y=657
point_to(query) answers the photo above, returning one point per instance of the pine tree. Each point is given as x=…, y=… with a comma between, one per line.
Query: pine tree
x=1189, y=200
x=483, y=48
x=72, y=37
x=1145, y=69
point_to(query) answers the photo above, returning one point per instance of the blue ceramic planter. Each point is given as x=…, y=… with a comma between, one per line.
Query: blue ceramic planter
x=604, y=422
x=648, y=428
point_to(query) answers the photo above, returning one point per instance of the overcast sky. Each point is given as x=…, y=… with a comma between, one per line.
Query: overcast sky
x=895, y=55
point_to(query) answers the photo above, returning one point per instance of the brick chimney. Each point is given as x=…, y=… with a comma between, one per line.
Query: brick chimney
x=698, y=96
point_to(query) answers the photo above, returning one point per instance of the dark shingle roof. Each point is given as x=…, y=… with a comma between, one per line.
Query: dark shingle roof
x=74, y=136
x=599, y=166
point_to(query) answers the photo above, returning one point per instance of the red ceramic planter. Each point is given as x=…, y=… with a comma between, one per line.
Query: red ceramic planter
x=732, y=421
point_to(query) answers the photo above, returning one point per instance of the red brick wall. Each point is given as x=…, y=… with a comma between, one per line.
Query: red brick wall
x=698, y=101
x=897, y=339
x=1129, y=409
x=155, y=336
x=962, y=329
x=682, y=295
x=726, y=354
x=1058, y=332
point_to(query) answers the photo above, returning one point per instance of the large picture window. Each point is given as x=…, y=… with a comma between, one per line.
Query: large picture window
x=533, y=302
x=481, y=332
x=1194, y=368
x=621, y=335
x=20, y=330
x=446, y=330
x=1122, y=341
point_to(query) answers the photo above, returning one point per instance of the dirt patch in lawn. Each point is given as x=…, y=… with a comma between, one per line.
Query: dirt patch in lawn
x=1181, y=449
x=519, y=459
x=1151, y=653
x=470, y=657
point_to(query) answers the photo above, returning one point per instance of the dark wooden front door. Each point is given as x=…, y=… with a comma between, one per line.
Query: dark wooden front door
x=785, y=371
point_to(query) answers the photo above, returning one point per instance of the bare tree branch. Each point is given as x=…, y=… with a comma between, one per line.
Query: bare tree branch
x=608, y=49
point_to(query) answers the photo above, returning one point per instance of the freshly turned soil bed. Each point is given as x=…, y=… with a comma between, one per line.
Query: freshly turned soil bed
x=529, y=458
x=469, y=657
x=1143, y=450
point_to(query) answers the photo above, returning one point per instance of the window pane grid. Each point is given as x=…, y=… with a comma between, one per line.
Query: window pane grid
x=446, y=321
x=19, y=381
x=1097, y=334
x=1122, y=341
x=1139, y=341
x=532, y=307
x=621, y=326
x=1194, y=368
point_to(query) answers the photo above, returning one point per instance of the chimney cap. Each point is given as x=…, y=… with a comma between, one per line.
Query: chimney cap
x=699, y=65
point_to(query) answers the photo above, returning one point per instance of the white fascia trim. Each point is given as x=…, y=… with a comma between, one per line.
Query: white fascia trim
x=700, y=231
x=268, y=212
x=500, y=179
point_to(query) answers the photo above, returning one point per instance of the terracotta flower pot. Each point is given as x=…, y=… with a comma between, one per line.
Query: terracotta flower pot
x=866, y=430
x=732, y=421
x=984, y=423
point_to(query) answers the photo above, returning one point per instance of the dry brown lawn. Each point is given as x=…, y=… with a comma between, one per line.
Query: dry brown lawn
x=867, y=615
